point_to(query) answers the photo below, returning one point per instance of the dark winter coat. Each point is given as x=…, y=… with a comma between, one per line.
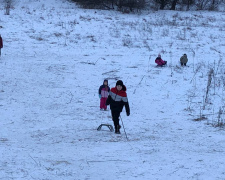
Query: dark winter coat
x=184, y=59
x=118, y=99
x=1, y=42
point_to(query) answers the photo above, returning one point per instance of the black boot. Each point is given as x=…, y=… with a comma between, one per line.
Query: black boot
x=117, y=129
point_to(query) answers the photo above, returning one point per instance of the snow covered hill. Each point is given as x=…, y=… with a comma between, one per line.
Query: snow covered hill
x=56, y=56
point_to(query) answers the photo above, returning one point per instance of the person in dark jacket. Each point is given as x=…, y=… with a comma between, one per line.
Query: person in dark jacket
x=117, y=99
x=159, y=61
x=103, y=93
x=183, y=60
x=1, y=44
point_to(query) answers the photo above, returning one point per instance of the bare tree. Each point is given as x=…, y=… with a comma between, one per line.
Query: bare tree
x=188, y=3
x=208, y=4
x=8, y=5
x=163, y=3
x=215, y=4
x=173, y=5
x=210, y=77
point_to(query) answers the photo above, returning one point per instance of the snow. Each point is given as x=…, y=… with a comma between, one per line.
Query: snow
x=56, y=56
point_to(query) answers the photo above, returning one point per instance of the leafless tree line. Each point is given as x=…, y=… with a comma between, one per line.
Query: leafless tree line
x=136, y=5
x=131, y=5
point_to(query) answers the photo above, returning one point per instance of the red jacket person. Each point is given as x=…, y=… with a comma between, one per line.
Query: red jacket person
x=117, y=99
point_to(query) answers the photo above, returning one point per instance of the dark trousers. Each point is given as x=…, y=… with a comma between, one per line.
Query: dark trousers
x=115, y=117
x=0, y=51
x=183, y=64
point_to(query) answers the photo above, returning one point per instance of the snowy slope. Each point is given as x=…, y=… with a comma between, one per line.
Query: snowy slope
x=54, y=59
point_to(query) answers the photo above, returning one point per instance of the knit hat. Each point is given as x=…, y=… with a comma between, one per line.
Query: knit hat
x=119, y=83
x=159, y=55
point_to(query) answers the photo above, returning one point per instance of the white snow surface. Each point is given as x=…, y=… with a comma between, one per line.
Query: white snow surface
x=56, y=56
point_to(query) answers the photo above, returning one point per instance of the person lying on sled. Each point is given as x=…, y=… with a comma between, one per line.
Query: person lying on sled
x=159, y=61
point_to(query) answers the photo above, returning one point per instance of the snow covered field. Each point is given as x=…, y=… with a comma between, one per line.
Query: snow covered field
x=56, y=56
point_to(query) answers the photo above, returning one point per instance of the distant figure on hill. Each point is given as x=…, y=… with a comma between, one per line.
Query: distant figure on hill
x=1, y=44
x=103, y=93
x=159, y=61
x=183, y=60
x=117, y=100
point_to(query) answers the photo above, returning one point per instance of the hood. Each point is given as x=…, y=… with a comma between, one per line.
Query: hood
x=105, y=80
x=124, y=88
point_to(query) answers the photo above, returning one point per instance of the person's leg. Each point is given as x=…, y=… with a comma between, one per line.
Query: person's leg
x=185, y=64
x=104, y=103
x=0, y=51
x=181, y=64
x=115, y=117
x=101, y=103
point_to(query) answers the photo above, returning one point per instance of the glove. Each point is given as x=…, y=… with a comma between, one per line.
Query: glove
x=100, y=96
x=128, y=113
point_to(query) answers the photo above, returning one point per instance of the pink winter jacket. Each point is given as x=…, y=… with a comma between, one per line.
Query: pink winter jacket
x=159, y=61
x=104, y=93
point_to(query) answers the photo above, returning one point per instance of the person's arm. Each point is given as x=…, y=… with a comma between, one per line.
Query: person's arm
x=99, y=90
x=1, y=43
x=127, y=107
x=108, y=101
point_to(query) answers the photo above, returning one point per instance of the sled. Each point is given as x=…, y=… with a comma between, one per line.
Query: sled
x=159, y=65
x=164, y=65
x=107, y=125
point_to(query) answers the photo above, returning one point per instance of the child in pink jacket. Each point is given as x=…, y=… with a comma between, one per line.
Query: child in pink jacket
x=103, y=94
x=159, y=61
